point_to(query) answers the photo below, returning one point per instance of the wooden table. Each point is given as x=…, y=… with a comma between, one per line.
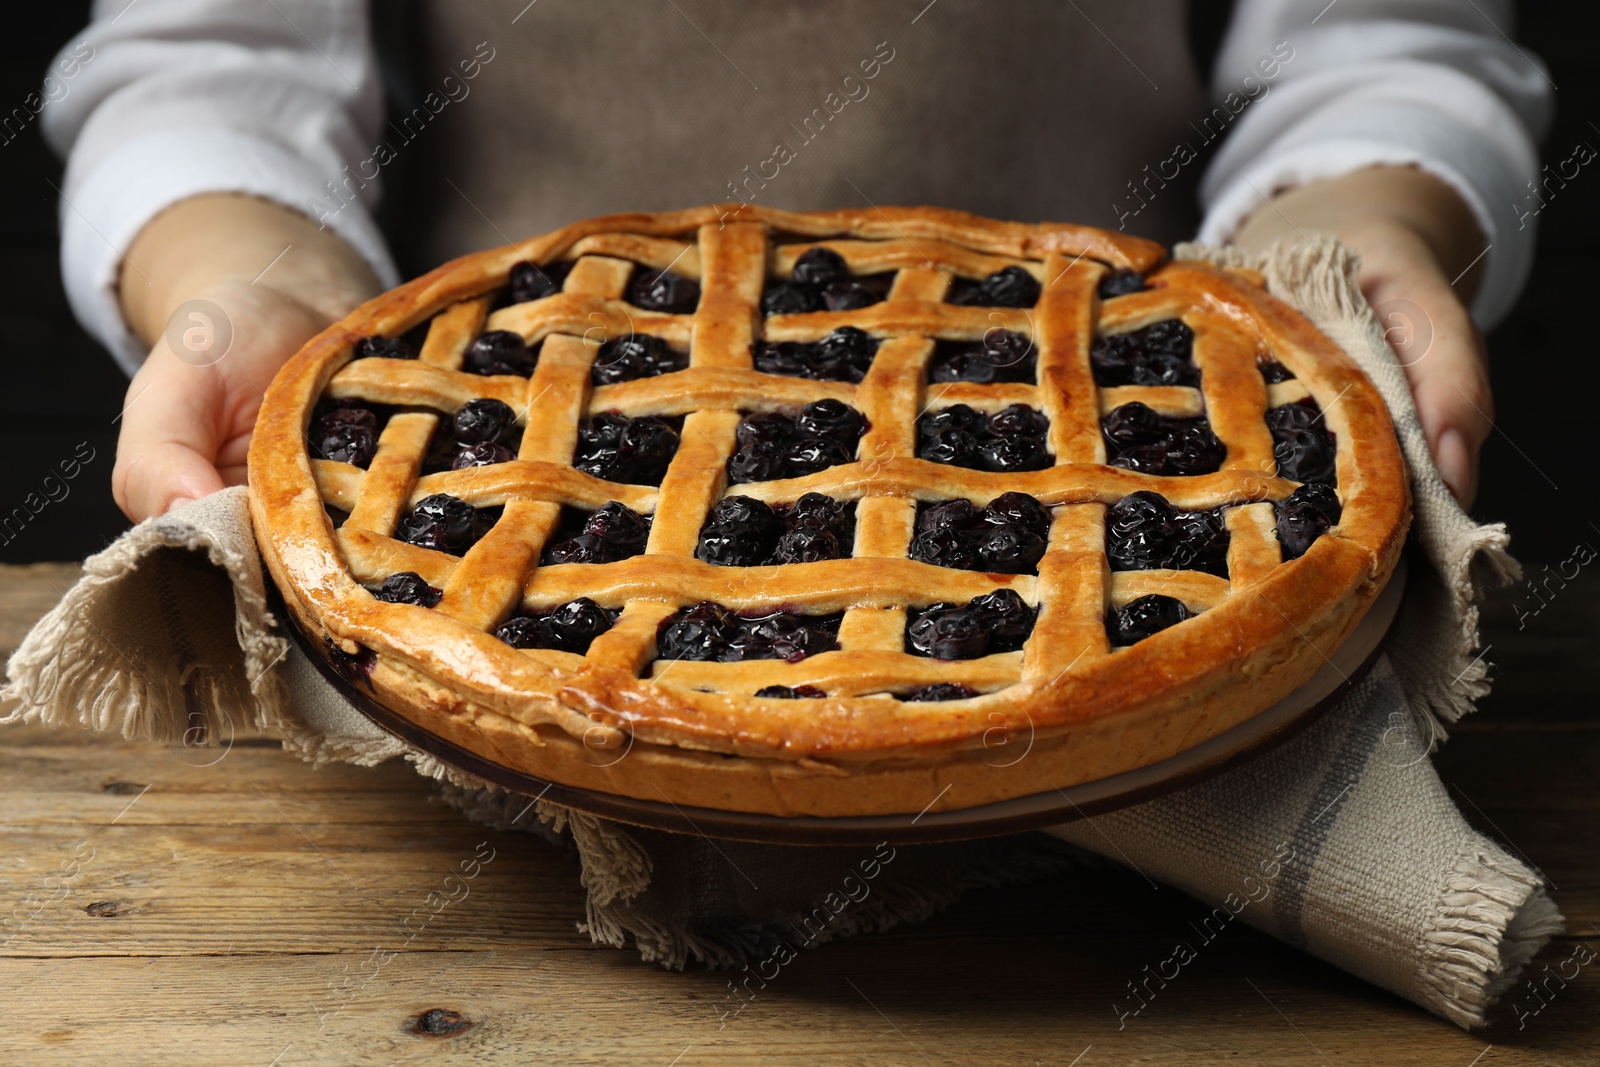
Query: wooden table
x=240, y=907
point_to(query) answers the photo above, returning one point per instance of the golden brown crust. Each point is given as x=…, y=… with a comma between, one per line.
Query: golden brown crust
x=1087, y=711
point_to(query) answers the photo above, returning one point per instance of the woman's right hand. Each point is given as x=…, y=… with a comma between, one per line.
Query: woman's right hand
x=221, y=322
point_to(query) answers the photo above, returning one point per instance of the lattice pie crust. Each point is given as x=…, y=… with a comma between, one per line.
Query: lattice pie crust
x=1067, y=708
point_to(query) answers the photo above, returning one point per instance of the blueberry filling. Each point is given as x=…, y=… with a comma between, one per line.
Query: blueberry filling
x=1007, y=537
x=1145, y=532
x=611, y=533
x=482, y=432
x=532, y=282
x=994, y=622
x=1159, y=354
x=1138, y=619
x=821, y=281
x=1009, y=287
x=1001, y=356
x=346, y=431
x=1012, y=439
x=1121, y=283
x=572, y=627
x=1273, y=371
x=499, y=352
x=408, y=587
x=939, y=691
x=784, y=692
x=661, y=290
x=711, y=632
x=445, y=523
x=620, y=449
x=843, y=356
x=385, y=348
x=741, y=532
x=1305, y=516
x=1302, y=443
x=623, y=359
x=1140, y=439
x=771, y=446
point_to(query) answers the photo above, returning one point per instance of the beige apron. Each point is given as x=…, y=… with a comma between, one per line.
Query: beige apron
x=1019, y=110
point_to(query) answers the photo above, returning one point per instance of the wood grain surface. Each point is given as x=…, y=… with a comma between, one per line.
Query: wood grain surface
x=237, y=906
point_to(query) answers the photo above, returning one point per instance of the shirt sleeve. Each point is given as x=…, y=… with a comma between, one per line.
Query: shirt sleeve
x=1438, y=84
x=174, y=98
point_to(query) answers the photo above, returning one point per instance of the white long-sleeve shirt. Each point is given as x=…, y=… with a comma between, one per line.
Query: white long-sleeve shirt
x=276, y=98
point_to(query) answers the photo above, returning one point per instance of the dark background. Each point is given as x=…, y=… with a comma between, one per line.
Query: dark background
x=62, y=389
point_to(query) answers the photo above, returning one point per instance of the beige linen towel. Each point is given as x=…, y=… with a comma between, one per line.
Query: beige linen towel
x=1341, y=841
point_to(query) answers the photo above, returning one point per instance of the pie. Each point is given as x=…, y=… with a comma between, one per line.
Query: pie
x=834, y=513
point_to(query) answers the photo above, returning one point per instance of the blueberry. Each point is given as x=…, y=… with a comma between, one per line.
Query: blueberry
x=584, y=548
x=787, y=298
x=951, y=515
x=622, y=529
x=483, y=420
x=1007, y=348
x=1133, y=424
x=521, y=632
x=1319, y=495
x=945, y=631
x=573, y=626
x=1120, y=283
x=440, y=521
x=1305, y=456
x=408, y=587
x=1013, y=454
x=940, y=691
x=746, y=511
x=1158, y=354
x=1147, y=615
x=1194, y=449
x=499, y=352
x=1018, y=509
x=962, y=366
x=848, y=350
x=957, y=448
x=848, y=296
x=810, y=454
x=624, y=359
x=791, y=358
x=345, y=442
x=1139, y=511
x=945, y=548
x=807, y=545
x=815, y=511
x=1006, y=617
x=1009, y=549
x=1298, y=526
x=954, y=417
x=698, y=633
x=734, y=546
x=384, y=348
x=481, y=454
x=1306, y=516
x=1293, y=418
x=764, y=428
x=830, y=418
x=1011, y=287
x=1274, y=372
x=1200, y=542
x=784, y=692
x=761, y=462
x=820, y=266
x=612, y=447
x=1018, y=420
x=657, y=290
x=532, y=282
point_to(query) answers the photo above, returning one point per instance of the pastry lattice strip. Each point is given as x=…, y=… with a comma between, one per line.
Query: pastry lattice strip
x=874, y=586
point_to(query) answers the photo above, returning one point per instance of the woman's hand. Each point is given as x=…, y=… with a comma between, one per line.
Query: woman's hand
x=222, y=314
x=1421, y=253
